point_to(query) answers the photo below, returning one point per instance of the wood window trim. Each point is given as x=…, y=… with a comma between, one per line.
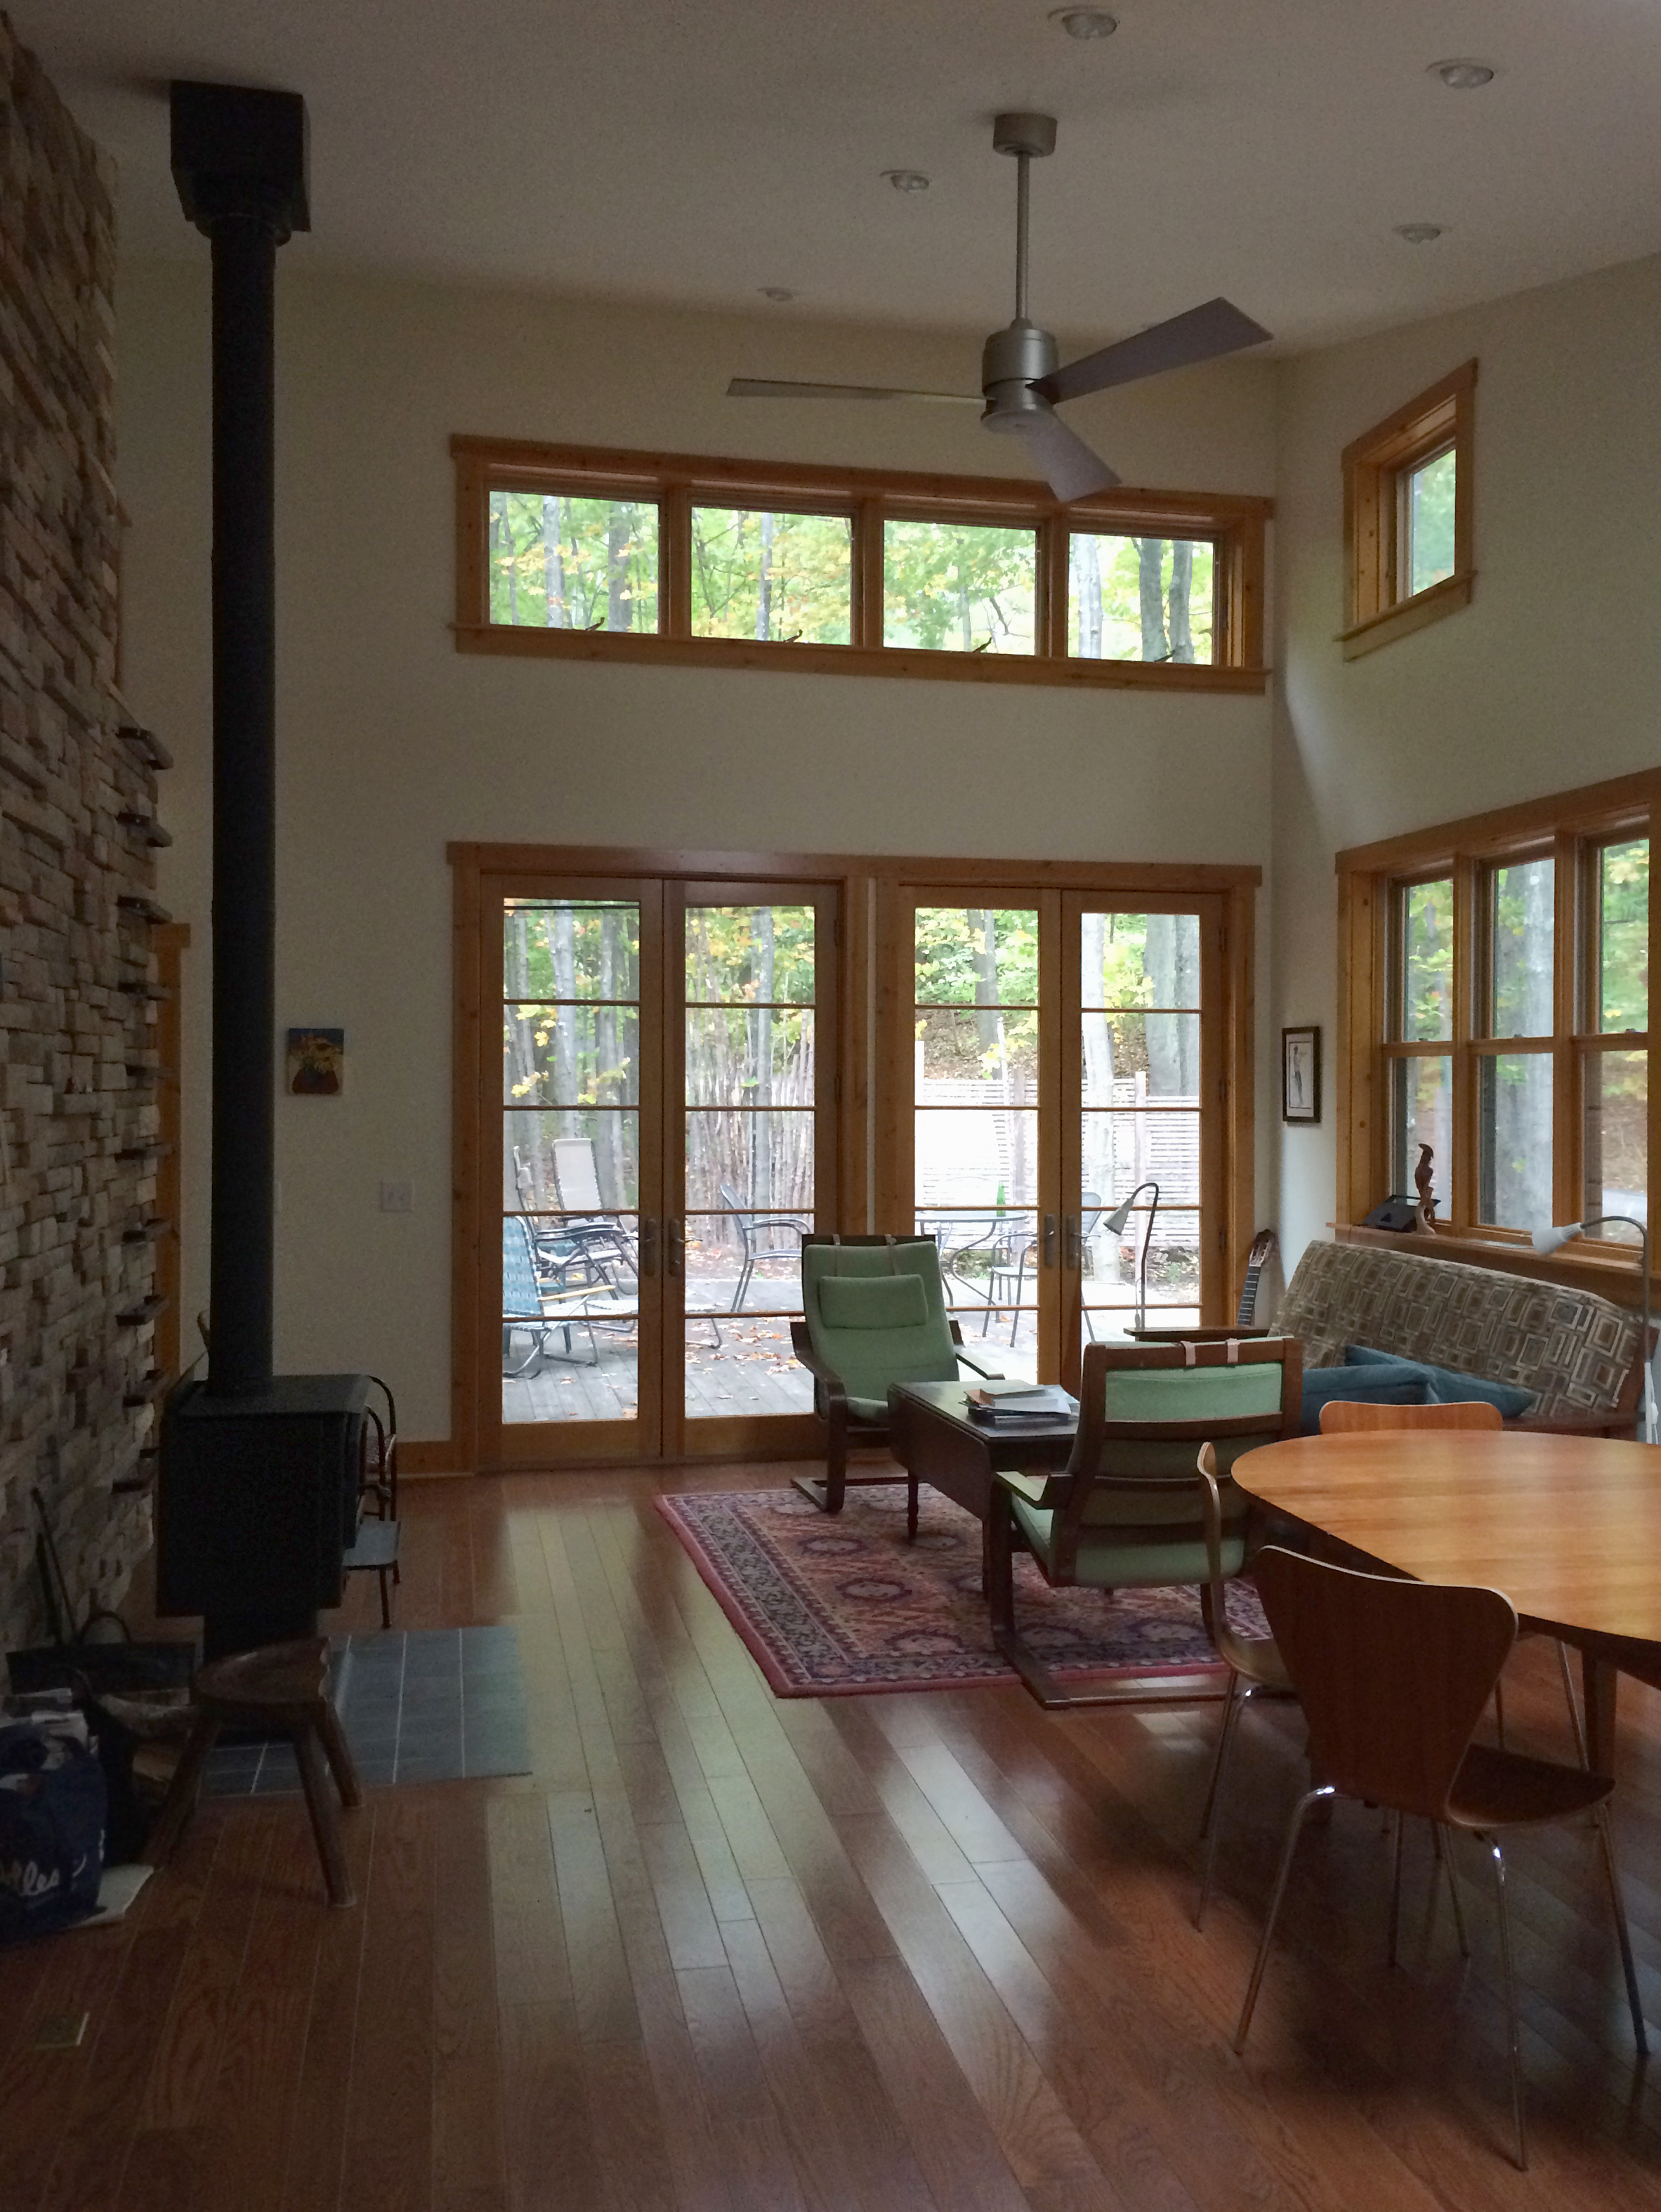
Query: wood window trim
x=869, y=888
x=1235, y=524
x=1571, y=826
x=1374, y=466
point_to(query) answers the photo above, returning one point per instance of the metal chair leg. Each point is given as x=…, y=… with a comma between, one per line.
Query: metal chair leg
x=1512, y=2036
x=1322, y=1791
x=1396, y=1890
x=1606, y=1839
x=1575, y=1721
x=1445, y=1859
x=1212, y=1821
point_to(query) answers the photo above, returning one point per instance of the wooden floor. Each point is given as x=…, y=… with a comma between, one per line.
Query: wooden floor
x=923, y=1953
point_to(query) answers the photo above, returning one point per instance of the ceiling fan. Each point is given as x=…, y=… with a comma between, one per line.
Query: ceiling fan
x=1021, y=380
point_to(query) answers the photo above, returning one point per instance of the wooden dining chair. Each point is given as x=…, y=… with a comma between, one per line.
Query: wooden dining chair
x=1393, y=1676
x=1344, y=1416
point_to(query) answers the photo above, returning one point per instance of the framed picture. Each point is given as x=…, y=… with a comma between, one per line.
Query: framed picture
x=1300, y=1075
x=316, y=1063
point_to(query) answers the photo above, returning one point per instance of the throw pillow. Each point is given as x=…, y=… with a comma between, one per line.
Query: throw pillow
x=1399, y=1384
x=1448, y=1385
x=873, y=1300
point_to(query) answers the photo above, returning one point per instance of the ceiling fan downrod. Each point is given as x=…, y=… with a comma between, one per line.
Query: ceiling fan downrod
x=1012, y=360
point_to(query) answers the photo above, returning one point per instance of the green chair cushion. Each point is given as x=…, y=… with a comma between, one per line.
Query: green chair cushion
x=1118, y=1561
x=873, y=1302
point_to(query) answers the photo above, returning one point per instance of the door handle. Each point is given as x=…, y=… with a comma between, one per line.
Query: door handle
x=1049, y=1240
x=1075, y=1252
x=648, y=1245
x=676, y=1230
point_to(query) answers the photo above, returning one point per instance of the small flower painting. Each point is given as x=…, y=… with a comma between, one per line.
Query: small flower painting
x=316, y=1064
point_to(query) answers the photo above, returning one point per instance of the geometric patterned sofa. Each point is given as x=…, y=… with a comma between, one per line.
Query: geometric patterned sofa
x=1578, y=1352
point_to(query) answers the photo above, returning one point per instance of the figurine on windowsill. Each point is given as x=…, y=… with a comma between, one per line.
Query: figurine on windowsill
x=1425, y=1211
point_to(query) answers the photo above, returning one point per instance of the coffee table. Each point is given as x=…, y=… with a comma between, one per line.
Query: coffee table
x=1568, y=1527
x=937, y=1440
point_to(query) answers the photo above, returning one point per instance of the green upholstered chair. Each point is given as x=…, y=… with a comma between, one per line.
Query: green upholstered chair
x=875, y=1315
x=1127, y=1512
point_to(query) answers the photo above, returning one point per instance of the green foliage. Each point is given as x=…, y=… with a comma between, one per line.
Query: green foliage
x=1430, y=495
x=562, y=563
x=1123, y=607
x=1427, y=957
x=963, y=587
x=1624, y=935
x=768, y=575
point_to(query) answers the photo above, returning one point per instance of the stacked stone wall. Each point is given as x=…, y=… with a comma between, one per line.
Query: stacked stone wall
x=78, y=1068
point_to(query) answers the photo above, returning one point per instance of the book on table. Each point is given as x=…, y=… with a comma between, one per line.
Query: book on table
x=1013, y=1404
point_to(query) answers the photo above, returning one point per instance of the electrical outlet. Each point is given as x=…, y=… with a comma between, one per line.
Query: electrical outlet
x=397, y=1197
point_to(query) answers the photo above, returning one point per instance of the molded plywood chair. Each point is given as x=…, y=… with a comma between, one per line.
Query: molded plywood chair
x=1342, y=1417
x=1393, y=1676
x=1126, y=1512
x=874, y=1314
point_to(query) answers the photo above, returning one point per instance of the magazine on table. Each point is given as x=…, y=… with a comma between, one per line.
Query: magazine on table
x=1019, y=1405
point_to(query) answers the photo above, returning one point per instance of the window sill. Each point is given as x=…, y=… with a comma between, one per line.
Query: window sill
x=1578, y=1264
x=530, y=643
x=1407, y=616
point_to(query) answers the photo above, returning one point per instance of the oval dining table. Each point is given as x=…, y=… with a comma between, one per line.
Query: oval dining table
x=1567, y=1527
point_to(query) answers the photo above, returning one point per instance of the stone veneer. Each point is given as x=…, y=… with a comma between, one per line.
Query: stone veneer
x=77, y=876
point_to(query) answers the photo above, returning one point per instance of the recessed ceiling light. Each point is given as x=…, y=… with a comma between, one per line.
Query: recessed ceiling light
x=1462, y=77
x=1420, y=233
x=778, y=292
x=907, y=180
x=1085, y=23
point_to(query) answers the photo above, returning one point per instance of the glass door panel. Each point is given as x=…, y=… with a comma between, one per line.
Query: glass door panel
x=1143, y=1135
x=976, y=1137
x=757, y=1142
x=577, y=1156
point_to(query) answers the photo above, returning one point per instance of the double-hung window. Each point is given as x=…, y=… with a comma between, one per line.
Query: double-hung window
x=1498, y=1011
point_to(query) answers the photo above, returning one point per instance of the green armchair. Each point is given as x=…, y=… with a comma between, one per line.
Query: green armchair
x=875, y=1315
x=1126, y=1512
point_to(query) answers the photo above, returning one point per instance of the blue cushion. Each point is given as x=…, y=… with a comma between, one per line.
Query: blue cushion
x=1448, y=1386
x=1400, y=1383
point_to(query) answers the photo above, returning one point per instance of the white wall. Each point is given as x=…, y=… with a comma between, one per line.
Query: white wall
x=393, y=744
x=1550, y=678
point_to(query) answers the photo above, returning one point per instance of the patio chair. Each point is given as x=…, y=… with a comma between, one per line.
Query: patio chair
x=1014, y=1250
x=585, y=1218
x=1125, y=1513
x=759, y=1234
x=535, y=1307
x=874, y=1314
x=1393, y=1676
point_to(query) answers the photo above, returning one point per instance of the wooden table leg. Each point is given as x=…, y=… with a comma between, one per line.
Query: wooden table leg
x=1599, y=1679
x=182, y=1791
x=325, y=1819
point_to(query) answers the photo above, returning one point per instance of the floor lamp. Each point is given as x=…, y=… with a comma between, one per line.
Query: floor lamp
x=1114, y=1223
x=1551, y=1240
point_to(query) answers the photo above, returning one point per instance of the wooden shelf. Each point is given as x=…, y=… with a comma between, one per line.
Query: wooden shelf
x=145, y=909
x=146, y=742
x=154, y=834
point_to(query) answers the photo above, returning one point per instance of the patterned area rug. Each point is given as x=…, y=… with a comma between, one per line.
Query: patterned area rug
x=839, y=1607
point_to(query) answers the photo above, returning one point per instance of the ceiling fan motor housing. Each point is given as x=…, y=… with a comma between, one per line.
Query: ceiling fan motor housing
x=1010, y=362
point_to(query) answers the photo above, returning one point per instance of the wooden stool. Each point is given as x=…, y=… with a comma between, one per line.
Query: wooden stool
x=283, y=1689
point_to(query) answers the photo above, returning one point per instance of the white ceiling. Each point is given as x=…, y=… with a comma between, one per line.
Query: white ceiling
x=693, y=151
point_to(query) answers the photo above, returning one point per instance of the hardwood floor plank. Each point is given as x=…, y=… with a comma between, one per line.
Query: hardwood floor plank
x=467, y=2150
x=756, y=2165
x=388, y=2165
x=317, y=2136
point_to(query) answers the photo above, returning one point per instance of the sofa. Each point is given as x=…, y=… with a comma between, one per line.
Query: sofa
x=1577, y=1351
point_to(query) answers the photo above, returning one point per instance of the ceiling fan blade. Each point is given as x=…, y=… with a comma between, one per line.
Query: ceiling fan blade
x=767, y=387
x=1073, y=471
x=1200, y=335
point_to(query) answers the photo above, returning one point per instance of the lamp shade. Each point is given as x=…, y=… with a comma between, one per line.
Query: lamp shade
x=1552, y=1240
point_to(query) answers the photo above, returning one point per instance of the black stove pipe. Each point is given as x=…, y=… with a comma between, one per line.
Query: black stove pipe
x=240, y=162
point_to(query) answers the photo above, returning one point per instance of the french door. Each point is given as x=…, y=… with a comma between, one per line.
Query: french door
x=1061, y=1053
x=666, y=1137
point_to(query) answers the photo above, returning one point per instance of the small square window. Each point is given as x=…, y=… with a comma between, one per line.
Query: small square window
x=959, y=586
x=559, y=563
x=759, y=573
x=1141, y=599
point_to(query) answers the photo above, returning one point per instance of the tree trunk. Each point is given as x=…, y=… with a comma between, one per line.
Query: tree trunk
x=1181, y=592
x=562, y=949
x=1151, y=562
x=764, y=595
x=513, y=560
x=964, y=624
x=554, y=565
x=1087, y=573
x=529, y=1188
x=1172, y=957
x=1098, y=1039
x=608, y=1166
x=619, y=608
x=761, y=1055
